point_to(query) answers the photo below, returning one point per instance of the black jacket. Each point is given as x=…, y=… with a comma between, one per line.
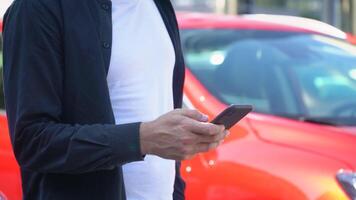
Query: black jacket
x=56, y=59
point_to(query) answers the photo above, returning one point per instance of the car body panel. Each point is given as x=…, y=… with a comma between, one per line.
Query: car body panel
x=299, y=22
x=351, y=38
x=10, y=179
x=335, y=143
x=261, y=22
x=248, y=166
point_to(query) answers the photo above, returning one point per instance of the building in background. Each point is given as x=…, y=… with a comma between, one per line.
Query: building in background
x=340, y=13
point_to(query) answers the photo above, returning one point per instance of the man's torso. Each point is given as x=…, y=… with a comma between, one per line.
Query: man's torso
x=140, y=82
x=85, y=27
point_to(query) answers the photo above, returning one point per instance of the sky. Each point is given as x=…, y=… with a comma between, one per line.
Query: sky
x=3, y=6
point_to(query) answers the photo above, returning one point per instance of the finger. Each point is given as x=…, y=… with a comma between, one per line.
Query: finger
x=205, y=147
x=214, y=145
x=204, y=128
x=221, y=142
x=210, y=139
x=188, y=157
x=182, y=157
x=202, y=147
x=194, y=114
x=227, y=133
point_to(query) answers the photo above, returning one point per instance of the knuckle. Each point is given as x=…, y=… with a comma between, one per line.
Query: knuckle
x=188, y=124
x=174, y=112
x=187, y=140
x=184, y=122
x=193, y=113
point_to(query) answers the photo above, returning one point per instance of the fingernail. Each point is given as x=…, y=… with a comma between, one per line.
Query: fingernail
x=204, y=118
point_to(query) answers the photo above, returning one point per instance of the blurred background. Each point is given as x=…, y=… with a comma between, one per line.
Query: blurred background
x=340, y=13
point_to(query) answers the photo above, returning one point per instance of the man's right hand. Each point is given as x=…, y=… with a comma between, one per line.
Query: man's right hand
x=180, y=134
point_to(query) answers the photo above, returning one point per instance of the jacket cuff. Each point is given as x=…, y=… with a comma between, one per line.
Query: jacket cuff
x=125, y=143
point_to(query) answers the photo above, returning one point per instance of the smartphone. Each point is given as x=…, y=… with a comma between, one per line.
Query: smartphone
x=231, y=115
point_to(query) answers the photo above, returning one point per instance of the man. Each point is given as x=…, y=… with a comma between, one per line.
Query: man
x=88, y=89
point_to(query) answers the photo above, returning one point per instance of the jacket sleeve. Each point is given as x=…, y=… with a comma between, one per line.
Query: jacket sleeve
x=33, y=78
x=179, y=184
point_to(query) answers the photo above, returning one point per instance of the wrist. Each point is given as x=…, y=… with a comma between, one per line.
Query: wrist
x=144, y=135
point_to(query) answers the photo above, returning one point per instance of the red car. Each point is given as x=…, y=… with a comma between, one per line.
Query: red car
x=299, y=75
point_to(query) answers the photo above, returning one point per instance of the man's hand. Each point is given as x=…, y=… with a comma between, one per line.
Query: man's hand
x=180, y=134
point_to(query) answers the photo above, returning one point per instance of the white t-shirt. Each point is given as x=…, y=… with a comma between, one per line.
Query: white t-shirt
x=140, y=85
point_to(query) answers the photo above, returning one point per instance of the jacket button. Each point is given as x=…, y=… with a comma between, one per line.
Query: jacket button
x=105, y=6
x=106, y=45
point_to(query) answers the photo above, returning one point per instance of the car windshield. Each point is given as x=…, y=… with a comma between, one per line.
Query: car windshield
x=297, y=75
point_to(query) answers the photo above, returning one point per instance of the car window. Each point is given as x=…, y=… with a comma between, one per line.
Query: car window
x=279, y=73
x=328, y=86
x=230, y=64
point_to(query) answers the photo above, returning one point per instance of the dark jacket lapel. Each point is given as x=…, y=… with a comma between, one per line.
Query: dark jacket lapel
x=166, y=10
